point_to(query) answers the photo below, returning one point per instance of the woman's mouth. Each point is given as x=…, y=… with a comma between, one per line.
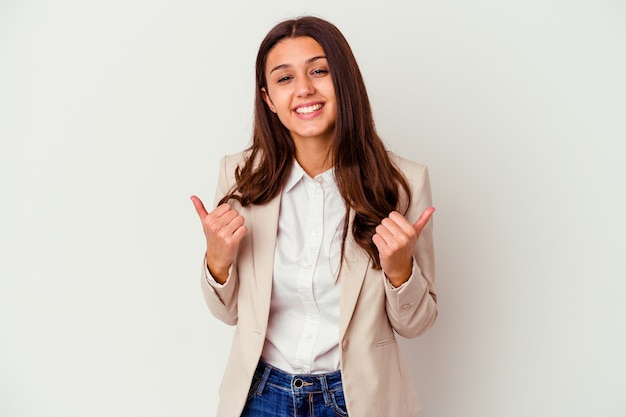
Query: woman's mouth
x=308, y=109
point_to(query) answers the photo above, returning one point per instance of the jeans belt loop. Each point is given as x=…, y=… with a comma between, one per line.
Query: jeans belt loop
x=325, y=391
x=264, y=378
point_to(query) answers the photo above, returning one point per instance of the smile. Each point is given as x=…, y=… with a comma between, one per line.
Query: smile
x=308, y=109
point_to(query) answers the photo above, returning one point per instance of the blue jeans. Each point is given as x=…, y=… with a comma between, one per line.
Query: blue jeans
x=275, y=393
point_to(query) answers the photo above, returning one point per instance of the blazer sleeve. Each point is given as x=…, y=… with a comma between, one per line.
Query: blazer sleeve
x=412, y=307
x=222, y=299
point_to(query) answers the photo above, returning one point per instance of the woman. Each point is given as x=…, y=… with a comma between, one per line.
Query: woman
x=320, y=249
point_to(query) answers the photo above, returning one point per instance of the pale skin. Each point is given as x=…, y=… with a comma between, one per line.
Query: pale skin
x=223, y=228
x=300, y=91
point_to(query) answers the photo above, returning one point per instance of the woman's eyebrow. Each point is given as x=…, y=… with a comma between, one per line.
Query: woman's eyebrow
x=315, y=58
x=308, y=61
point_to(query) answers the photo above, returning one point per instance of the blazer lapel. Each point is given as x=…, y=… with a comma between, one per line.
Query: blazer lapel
x=265, y=221
x=353, y=270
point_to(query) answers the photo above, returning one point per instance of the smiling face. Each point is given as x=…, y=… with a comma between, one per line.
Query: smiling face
x=300, y=90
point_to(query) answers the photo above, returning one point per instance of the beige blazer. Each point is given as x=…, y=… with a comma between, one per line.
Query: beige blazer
x=375, y=379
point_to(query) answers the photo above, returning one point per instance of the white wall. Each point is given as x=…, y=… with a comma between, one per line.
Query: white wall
x=113, y=113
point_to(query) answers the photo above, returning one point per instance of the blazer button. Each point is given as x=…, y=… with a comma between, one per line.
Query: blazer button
x=344, y=344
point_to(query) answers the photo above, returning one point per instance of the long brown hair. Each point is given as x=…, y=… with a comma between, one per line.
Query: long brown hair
x=367, y=180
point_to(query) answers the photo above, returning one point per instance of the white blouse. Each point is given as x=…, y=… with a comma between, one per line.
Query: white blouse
x=303, y=329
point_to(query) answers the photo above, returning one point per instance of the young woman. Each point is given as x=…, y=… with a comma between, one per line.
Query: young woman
x=320, y=250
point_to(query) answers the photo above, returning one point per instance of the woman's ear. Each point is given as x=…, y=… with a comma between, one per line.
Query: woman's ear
x=267, y=99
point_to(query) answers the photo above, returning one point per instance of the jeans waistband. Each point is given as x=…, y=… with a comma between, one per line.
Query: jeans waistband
x=297, y=383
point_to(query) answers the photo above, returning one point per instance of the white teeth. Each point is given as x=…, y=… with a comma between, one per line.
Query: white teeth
x=308, y=109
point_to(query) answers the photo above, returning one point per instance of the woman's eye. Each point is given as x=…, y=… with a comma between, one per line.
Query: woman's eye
x=283, y=79
x=320, y=71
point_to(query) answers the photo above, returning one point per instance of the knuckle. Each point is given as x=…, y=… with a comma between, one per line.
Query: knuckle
x=213, y=227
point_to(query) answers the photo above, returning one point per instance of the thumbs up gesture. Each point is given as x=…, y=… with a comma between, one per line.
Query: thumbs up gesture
x=395, y=239
x=223, y=228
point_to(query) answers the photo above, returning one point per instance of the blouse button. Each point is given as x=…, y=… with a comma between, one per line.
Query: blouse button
x=344, y=344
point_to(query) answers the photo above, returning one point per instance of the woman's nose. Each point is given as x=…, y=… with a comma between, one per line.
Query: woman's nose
x=304, y=86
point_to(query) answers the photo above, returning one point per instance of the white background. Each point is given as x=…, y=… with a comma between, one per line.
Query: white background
x=112, y=113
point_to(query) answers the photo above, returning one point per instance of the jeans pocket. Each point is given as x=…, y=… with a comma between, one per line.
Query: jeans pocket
x=339, y=403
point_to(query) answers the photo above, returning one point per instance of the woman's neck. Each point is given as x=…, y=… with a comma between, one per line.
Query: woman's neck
x=314, y=158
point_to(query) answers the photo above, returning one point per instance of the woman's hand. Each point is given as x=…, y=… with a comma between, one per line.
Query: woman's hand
x=223, y=228
x=395, y=239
